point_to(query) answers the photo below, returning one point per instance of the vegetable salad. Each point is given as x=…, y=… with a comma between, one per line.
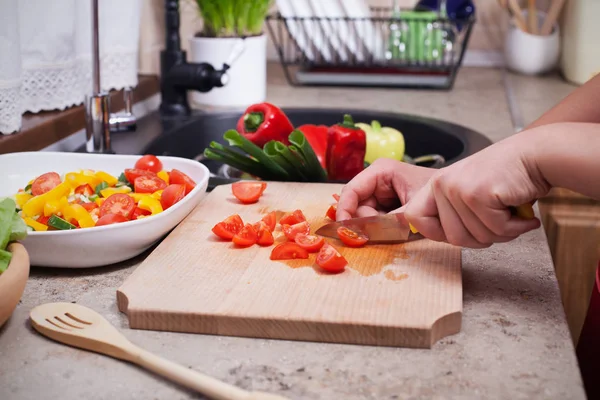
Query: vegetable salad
x=87, y=198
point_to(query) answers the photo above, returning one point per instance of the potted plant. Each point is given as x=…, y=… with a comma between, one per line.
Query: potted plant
x=227, y=25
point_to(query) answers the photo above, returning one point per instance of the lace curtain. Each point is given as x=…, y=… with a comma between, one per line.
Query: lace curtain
x=45, y=53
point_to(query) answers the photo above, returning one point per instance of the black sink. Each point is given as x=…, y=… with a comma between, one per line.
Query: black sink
x=422, y=135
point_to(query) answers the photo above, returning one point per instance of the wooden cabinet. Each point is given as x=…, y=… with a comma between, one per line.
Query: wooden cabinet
x=572, y=225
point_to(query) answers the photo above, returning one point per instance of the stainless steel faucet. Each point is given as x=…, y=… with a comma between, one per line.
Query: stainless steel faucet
x=100, y=122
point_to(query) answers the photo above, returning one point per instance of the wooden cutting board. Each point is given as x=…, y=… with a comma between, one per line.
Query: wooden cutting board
x=395, y=295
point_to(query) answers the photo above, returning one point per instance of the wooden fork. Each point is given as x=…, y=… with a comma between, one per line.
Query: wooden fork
x=81, y=327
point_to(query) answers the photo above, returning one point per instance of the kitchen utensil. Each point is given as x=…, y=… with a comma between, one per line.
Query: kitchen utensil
x=532, y=17
x=13, y=281
x=102, y=245
x=81, y=327
x=334, y=13
x=517, y=15
x=295, y=28
x=407, y=294
x=312, y=28
x=552, y=16
x=319, y=10
x=359, y=11
x=387, y=228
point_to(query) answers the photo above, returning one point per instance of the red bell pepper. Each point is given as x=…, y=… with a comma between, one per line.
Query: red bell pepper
x=317, y=138
x=263, y=122
x=346, y=148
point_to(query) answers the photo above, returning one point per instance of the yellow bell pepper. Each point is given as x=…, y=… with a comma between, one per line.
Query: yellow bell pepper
x=412, y=228
x=111, y=190
x=157, y=195
x=35, y=225
x=77, y=179
x=382, y=142
x=35, y=205
x=164, y=175
x=149, y=203
x=99, y=201
x=22, y=198
x=138, y=196
x=52, y=207
x=106, y=177
x=80, y=214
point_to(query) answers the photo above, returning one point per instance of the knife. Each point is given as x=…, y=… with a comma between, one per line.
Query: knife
x=394, y=228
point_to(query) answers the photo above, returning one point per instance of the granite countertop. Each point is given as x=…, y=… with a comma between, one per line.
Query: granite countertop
x=514, y=342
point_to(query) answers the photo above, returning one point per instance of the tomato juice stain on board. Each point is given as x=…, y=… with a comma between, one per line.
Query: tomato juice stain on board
x=389, y=274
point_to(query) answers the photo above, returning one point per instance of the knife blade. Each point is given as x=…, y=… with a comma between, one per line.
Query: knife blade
x=387, y=228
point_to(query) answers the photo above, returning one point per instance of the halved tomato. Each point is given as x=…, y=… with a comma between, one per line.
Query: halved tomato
x=171, y=195
x=292, y=218
x=351, y=238
x=265, y=237
x=132, y=173
x=330, y=259
x=85, y=190
x=108, y=219
x=288, y=251
x=138, y=212
x=118, y=203
x=312, y=243
x=44, y=183
x=227, y=228
x=149, y=162
x=246, y=237
x=332, y=211
x=180, y=178
x=291, y=231
x=271, y=220
x=148, y=184
x=248, y=192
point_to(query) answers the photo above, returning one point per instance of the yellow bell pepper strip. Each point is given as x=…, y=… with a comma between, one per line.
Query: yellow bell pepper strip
x=112, y=190
x=76, y=179
x=52, y=207
x=35, y=225
x=382, y=142
x=157, y=195
x=106, y=177
x=35, y=205
x=99, y=201
x=149, y=203
x=22, y=198
x=164, y=175
x=80, y=214
x=138, y=196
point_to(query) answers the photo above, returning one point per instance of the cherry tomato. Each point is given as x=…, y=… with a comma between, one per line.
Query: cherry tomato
x=330, y=259
x=291, y=231
x=118, y=203
x=171, y=195
x=85, y=190
x=111, y=219
x=288, y=251
x=178, y=177
x=148, y=184
x=133, y=173
x=137, y=212
x=332, y=211
x=265, y=237
x=149, y=162
x=271, y=220
x=292, y=218
x=246, y=237
x=227, y=228
x=248, y=192
x=312, y=243
x=44, y=183
x=351, y=238
x=43, y=220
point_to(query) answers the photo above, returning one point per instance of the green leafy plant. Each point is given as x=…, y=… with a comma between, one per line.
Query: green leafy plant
x=233, y=18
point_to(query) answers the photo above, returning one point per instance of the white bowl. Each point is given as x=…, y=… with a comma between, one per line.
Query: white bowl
x=102, y=245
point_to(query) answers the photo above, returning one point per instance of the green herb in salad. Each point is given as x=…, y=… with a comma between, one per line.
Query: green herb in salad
x=101, y=186
x=12, y=228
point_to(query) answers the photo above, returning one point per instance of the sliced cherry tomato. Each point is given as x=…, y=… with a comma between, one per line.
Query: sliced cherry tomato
x=133, y=173
x=332, y=211
x=111, y=219
x=248, y=192
x=246, y=237
x=351, y=238
x=312, y=243
x=138, y=212
x=43, y=220
x=149, y=162
x=336, y=197
x=330, y=259
x=118, y=203
x=178, y=177
x=148, y=184
x=271, y=220
x=171, y=195
x=44, y=183
x=288, y=251
x=85, y=190
x=291, y=231
x=292, y=218
x=265, y=237
x=227, y=228
x=74, y=222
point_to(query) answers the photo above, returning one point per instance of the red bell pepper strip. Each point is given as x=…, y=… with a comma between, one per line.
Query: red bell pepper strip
x=263, y=122
x=346, y=148
x=317, y=138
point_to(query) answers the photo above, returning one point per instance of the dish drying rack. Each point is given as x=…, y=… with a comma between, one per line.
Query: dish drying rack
x=391, y=48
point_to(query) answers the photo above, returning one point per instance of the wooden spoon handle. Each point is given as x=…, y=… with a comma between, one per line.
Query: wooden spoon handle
x=552, y=16
x=517, y=15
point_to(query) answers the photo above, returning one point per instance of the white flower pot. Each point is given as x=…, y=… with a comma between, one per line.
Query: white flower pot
x=247, y=82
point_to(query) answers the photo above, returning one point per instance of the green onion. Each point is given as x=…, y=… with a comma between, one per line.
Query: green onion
x=94, y=197
x=225, y=157
x=270, y=149
x=228, y=18
x=298, y=139
x=236, y=139
x=101, y=186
